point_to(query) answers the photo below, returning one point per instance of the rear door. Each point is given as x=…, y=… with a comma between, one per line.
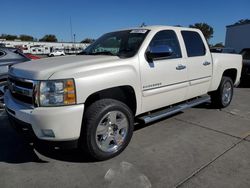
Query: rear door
x=199, y=63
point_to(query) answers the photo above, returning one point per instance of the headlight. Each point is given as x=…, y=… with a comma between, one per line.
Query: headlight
x=57, y=92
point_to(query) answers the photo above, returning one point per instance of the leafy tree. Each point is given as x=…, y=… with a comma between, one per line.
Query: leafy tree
x=49, y=38
x=26, y=38
x=8, y=37
x=206, y=29
x=88, y=40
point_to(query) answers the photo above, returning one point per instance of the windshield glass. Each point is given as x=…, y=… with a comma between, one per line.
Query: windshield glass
x=122, y=43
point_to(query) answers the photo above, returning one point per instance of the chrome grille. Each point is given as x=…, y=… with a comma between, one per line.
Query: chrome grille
x=23, y=90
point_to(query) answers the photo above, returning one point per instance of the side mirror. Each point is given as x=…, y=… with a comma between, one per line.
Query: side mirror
x=159, y=52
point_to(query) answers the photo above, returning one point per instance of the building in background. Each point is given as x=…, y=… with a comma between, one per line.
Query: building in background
x=44, y=47
x=238, y=36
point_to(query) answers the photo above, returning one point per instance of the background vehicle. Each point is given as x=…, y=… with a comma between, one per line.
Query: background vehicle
x=246, y=62
x=223, y=50
x=57, y=53
x=32, y=56
x=229, y=51
x=92, y=99
x=8, y=57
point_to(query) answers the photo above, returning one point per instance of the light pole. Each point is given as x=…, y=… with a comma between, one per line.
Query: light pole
x=74, y=43
x=70, y=22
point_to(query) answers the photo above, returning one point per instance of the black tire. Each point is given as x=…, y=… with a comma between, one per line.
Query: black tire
x=94, y=117
x=218, y=98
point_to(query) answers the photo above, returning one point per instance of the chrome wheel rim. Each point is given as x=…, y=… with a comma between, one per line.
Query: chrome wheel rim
x=111, y=131
x=227, y=93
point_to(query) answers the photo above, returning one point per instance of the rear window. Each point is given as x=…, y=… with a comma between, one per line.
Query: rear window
x=194, y=44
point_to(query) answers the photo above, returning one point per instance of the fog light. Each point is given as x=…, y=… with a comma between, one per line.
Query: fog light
x=48, y=133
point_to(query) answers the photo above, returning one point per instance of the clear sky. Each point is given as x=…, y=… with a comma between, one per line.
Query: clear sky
x=92, y=18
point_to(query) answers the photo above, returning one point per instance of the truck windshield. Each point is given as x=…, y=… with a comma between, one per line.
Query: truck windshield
x=122, y=43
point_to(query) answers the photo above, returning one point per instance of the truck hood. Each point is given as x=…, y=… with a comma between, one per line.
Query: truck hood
x=43, y=69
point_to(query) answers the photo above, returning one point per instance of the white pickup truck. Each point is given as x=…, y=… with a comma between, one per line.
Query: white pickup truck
x=139, y=74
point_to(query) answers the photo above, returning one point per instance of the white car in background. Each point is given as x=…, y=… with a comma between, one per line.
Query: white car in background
x=57, y=53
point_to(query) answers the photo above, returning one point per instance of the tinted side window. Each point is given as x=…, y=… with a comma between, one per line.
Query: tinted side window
x=194, y=44
x=167, y=37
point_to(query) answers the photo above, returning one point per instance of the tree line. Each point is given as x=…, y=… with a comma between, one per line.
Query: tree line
x=45, y=38
x=205, y=28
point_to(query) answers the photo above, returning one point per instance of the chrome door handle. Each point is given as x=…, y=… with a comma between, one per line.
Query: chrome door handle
x=206, y=63
x=180, y=67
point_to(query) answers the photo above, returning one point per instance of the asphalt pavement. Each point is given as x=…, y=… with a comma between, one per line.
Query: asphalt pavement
x=199, y=147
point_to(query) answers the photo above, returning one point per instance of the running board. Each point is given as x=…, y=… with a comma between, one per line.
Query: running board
x=173, y=110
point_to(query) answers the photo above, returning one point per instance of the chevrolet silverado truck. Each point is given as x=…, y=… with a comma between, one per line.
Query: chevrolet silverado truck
x=91, y=100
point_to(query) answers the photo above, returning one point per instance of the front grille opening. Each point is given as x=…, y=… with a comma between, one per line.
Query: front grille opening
x=21, y=83
x=23, y=98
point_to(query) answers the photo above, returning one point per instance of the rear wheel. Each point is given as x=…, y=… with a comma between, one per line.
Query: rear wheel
x=222, y=97
x=107, y=129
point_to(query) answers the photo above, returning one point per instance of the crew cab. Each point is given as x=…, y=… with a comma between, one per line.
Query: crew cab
x=138, y=74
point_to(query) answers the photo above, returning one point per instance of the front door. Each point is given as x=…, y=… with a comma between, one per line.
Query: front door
x=164, y=81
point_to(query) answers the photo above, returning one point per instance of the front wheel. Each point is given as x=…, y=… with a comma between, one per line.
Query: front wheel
x=107, y=128
x=222, y=97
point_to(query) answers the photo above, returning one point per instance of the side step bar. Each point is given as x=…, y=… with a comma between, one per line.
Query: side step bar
x=173, y=110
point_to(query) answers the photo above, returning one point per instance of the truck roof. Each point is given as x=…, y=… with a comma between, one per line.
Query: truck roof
x=161, y=27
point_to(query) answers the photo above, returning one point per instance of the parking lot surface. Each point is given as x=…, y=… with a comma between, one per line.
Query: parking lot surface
x=200, y=147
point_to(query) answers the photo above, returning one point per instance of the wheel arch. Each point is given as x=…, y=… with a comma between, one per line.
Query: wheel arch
x=218, y=75
x=125, y=94
x=231, y=73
